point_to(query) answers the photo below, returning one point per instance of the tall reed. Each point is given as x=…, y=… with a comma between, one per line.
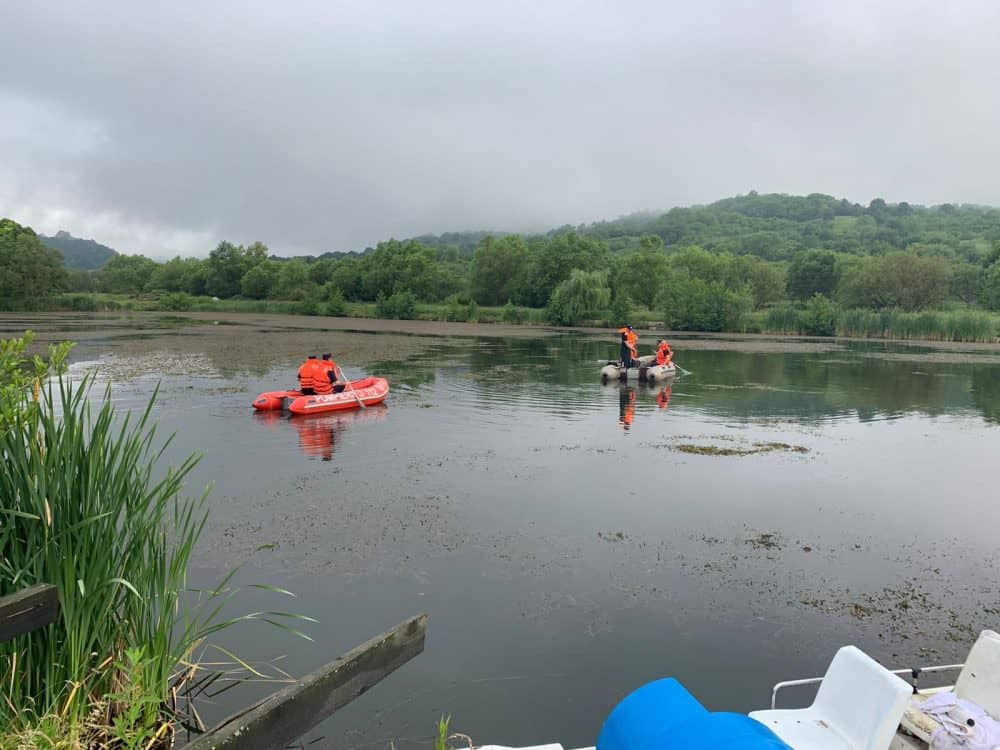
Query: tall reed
x=84, y=507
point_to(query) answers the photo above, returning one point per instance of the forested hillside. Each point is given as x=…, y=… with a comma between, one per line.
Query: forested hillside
x=80, y=254
x=781, y=263
x=775, y=227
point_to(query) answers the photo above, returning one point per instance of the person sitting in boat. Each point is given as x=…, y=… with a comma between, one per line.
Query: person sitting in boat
x=664, y=354
x=307, y=375
x=328, y=376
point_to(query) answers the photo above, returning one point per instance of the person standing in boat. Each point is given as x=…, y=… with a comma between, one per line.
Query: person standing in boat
x=307, y=375
x=629, y=350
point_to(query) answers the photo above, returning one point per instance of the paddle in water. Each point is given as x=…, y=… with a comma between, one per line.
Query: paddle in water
x=351, y=388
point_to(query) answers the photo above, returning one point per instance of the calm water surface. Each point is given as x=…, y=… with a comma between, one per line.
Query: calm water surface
x=566, y=542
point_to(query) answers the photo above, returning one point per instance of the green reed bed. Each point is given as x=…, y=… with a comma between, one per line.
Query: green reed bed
x=82, y=508
x=971, y=326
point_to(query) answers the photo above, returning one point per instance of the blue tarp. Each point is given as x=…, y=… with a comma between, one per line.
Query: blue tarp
x=663, y=715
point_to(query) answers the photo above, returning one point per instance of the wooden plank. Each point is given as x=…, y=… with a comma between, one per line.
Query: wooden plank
x=27, y=610
x=289, y=713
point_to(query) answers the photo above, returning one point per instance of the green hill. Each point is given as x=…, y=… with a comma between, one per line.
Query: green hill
x=77, y=253
x=775, y=227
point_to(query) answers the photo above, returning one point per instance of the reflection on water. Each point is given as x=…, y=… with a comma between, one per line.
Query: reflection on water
x=319, y=434
x=626, y=406
x=565, y=544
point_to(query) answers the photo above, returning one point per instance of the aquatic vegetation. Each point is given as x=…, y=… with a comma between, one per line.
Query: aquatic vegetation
x=441, y=740
x=824, y=318
x=85, y=508
x=738, y=450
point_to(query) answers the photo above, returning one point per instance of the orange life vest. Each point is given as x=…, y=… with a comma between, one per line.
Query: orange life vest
x=664, y=354
x=321, y=376
x=307, y=374
x=632, y=342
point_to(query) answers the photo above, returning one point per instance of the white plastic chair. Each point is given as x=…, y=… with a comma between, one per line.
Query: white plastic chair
x=979, y=680
x=858, y=707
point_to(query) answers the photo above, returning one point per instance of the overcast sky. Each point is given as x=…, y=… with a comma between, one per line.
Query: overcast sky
x=164, y=127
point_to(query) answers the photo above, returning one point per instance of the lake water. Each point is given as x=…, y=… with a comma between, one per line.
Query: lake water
x=570, y=540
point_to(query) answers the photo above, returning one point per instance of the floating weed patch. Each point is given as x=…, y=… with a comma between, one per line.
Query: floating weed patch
x=748, y=449
x=770, y=540
x=612, y=536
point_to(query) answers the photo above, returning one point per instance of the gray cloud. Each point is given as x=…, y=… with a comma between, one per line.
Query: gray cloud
x=321, y=126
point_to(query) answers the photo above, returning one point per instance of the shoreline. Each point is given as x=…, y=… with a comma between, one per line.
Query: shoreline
x=57, y=326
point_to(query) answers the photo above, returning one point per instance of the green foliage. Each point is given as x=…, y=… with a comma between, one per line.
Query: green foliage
x=621, y=310
x=394, y=267
x=336, y=306
x=513, y=314
x=498, y=267
x=552, y=262
x=989, y=290
x=579, y=297
x=398, y=306
x=965, y=282
x=690, y=303
x=767, y=281
x=441, y=738
x=293, y=281
x=784, y=318
x=904, y=280
x=83, y=512
x=259, y=281
x=465, y=313
x=177, y=302
x=819, y=317
x=28, y=269
x=126, y=274
x=179, y=275
x=773, y=247
x=640, y=273
x=85, y=508
x=812, y=272
x=308, y=306
x=227, y=264
x=21, y=378
x=136, y=725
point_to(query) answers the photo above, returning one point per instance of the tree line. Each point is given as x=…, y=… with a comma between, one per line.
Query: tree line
x=703, y=268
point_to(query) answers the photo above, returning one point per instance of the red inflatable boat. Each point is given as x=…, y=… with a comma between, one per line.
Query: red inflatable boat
x=369, y=391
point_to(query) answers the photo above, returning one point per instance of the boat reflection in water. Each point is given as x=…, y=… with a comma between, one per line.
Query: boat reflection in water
x=319, y=434
x=628, y=396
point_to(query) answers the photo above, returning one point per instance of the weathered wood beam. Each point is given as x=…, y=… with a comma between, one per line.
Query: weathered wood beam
x=27, y=610
x=286, y=715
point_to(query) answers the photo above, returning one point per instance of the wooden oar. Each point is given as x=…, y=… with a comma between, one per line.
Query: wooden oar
x=351, y=388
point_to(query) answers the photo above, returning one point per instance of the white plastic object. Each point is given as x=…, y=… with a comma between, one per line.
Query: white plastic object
x=858, y=707
x=979, y=680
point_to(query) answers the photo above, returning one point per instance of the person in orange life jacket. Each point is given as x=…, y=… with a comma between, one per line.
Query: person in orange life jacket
x=664, y=355
x=629, y=349
x=324, y=374
x=307, y=376
x=328, y=369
